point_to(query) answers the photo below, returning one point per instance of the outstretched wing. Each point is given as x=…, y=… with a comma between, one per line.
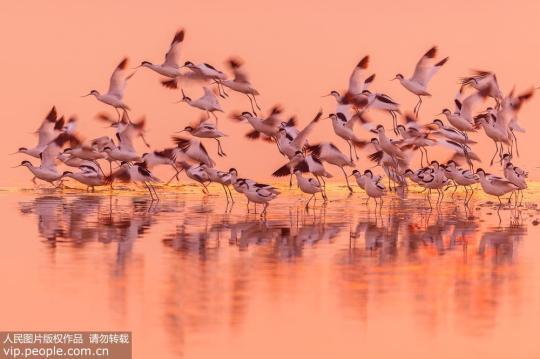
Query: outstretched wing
x=172, y=56
x=118, y=80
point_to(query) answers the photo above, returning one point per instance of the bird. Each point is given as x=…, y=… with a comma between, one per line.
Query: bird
x=328, y=152
x=193, y=149
x=494, y=185
x=170, y=67
x=460, y=177
x=209, y=72
x=439, y=128
x=137, y=173
x=208, y=102
x=221, y=177
x=343, y=127
x=117, y=85
x=197, y=172
x=374, y=188
x=206, y=129
x=240, y=83
x=47, y=170
x=290, y=142
x=307, y=185
x=423, y=72
x=88, y=175
x=50, y=127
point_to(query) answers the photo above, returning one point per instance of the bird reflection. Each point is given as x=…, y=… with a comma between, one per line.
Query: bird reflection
x=213, y=263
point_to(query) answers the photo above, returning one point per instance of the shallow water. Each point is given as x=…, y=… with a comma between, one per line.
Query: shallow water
x=195, y=278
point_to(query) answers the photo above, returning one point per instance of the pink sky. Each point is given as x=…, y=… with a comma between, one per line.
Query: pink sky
x=54, y=52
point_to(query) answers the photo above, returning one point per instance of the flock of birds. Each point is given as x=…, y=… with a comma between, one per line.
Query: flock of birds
x=59, y=142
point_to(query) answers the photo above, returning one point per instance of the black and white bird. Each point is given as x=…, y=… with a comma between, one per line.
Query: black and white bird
x=423, y=72
x=117, y=85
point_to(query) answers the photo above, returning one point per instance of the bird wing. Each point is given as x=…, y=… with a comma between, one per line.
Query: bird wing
x=46, y=130
x=236, y=67
x=358, y=76
x=301, y=137
x=424, y=70
x=210, y=97
x=172, y=56
x=118, y=80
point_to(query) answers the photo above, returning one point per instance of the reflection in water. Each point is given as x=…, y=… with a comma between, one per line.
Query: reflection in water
x=449, y=269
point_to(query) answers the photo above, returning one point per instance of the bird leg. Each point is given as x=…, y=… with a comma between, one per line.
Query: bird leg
x=263, y=213
x=215, y=116
x=495, y=154
x=118, y=113
x=256, y=104
x=347, y=180
x=251, y=102
x=350, y=149
x=515, y=139
x=394, y=122
x=220, y=149
x=417, y=106
x=149, y=190
x=226, y=193
x=309, y=200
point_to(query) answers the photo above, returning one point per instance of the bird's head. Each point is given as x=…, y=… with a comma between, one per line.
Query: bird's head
x=438, y=122
x=246, y=114
x=107, y=149
x=92, y=93
x=299, y=154
x=233, y=171
x=507, y=156
x=509, y=165
x=145, y=64
x=378, y=129
x=374, y=141
x=398, y=77
x=188, y=129
x=368, y=173
x=68, y=151
x=446, y=112
x=480, y=172
x=189, y=65
x=67, y=173
x=355, y=173
x=408, y=172
x=22, y=149
x=24, y=164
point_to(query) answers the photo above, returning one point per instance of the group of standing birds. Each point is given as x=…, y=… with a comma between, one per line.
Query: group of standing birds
x=392, y=150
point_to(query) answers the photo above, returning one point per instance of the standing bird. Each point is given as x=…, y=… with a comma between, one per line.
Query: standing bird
x=307, y=185
x=207, y=102
x=223, y=178
x=241, y=83
x=117, y=85
x=495, y=186
x=423, y=72
x=137, y=173
x=328, y=152
x=88, y=175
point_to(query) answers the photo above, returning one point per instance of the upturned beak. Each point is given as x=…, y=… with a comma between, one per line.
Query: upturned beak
x=87, y=94
x=17, y=166
x=14, y=153
x=327, y=95
x=179, y=131
x=374, y=131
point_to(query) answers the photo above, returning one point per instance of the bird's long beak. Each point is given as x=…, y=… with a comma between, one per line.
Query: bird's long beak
x=374, y=131
x=181, y=100
x=17, y=166
x=327, y=95
x=179, y=131
x=439, y=114
x=395, y=78
x=87, y=94
x=14, y=153
x=136, y=67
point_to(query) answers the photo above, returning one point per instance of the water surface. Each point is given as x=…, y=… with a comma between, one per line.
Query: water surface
x=194, y=277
